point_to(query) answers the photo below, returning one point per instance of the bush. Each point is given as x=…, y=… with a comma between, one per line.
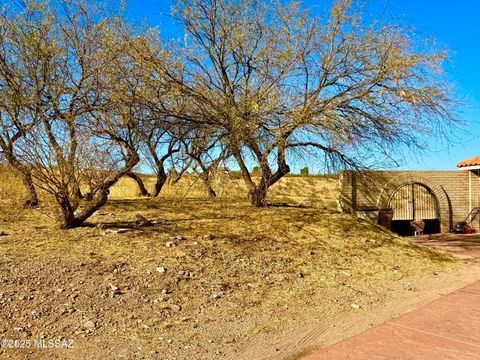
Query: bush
x=235, y=174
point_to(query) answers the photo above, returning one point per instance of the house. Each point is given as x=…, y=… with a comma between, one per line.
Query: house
x=440, y=198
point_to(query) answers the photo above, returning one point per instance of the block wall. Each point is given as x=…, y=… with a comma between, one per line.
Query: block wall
x=457, y=191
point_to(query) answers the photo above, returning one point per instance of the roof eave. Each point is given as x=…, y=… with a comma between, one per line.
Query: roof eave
x=472, y=167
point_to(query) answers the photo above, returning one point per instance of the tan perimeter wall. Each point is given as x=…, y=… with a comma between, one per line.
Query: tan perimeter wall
x=457, y=191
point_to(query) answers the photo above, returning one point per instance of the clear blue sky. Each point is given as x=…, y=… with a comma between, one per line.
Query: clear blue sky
x=455, y=24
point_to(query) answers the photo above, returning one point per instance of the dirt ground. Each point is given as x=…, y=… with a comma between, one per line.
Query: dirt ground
x=207, y=280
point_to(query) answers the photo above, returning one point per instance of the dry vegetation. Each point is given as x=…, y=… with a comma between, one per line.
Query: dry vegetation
x=232, y=273
x=87, y=95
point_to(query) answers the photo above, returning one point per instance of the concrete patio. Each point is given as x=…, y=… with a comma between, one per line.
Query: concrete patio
x=464, y=246
x=448, y=328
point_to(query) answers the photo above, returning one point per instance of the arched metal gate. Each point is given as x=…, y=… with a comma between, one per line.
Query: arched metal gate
x=414, y=201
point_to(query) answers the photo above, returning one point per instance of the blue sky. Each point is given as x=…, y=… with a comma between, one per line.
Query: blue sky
x=455, y=26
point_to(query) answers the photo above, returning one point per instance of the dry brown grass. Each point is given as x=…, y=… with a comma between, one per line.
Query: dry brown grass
x=320, y=191
x=263, y=269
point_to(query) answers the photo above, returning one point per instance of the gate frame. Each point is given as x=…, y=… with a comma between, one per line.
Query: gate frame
x=444, y=204
x=437, y=204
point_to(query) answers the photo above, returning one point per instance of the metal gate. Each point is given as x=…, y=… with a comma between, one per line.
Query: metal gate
x=414, y=201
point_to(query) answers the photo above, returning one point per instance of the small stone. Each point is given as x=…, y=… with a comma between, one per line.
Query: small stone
x=178, y=238
x=3, y=233
x=305, y=204
x=355, y=306
x=122, y=231
x=301, y=275
x=170, y=244
x=216, y=296
x=169, y=341
x=176, y=307
x=195, y=243
x=89, y=324
x=142, y=221
x=60, y=290
x=101, y=226
x=208, y=237
x=166, y=291
x=113, y=287
x=116, y=231
x=161, y=270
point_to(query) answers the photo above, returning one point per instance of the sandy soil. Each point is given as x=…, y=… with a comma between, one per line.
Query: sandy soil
x=216, y=280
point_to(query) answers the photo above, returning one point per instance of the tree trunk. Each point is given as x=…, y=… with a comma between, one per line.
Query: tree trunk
x=258, y=196
x=71, y=219
x=67, y=219
x=211, y=193
x=32, y=197
x=161, y=180
x=98, y=200
x=208, y=186
x=141, y=186
x=78, y=192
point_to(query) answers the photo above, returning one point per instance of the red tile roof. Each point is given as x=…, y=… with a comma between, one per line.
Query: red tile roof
x=470, y=162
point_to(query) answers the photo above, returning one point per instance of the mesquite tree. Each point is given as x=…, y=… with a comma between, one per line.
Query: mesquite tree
x=275, y=80
x=158, y=146
x=161, y=124
x=207, y=153
x=83, y=102
x=142, y=190
x=17, y=82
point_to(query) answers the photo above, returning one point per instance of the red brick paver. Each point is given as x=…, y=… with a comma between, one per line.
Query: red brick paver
x=448, y=328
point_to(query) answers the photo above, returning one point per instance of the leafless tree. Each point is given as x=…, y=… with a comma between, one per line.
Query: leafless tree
x=275, y=80
x=161, y=125
x=84, y=99
x=17, y=117
x=139, y=181
x=159, y=146
x=83, y=94
x=208, y=153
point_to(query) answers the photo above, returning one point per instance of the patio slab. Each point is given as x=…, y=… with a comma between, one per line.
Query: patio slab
x=448, y=328
x=464, y=246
